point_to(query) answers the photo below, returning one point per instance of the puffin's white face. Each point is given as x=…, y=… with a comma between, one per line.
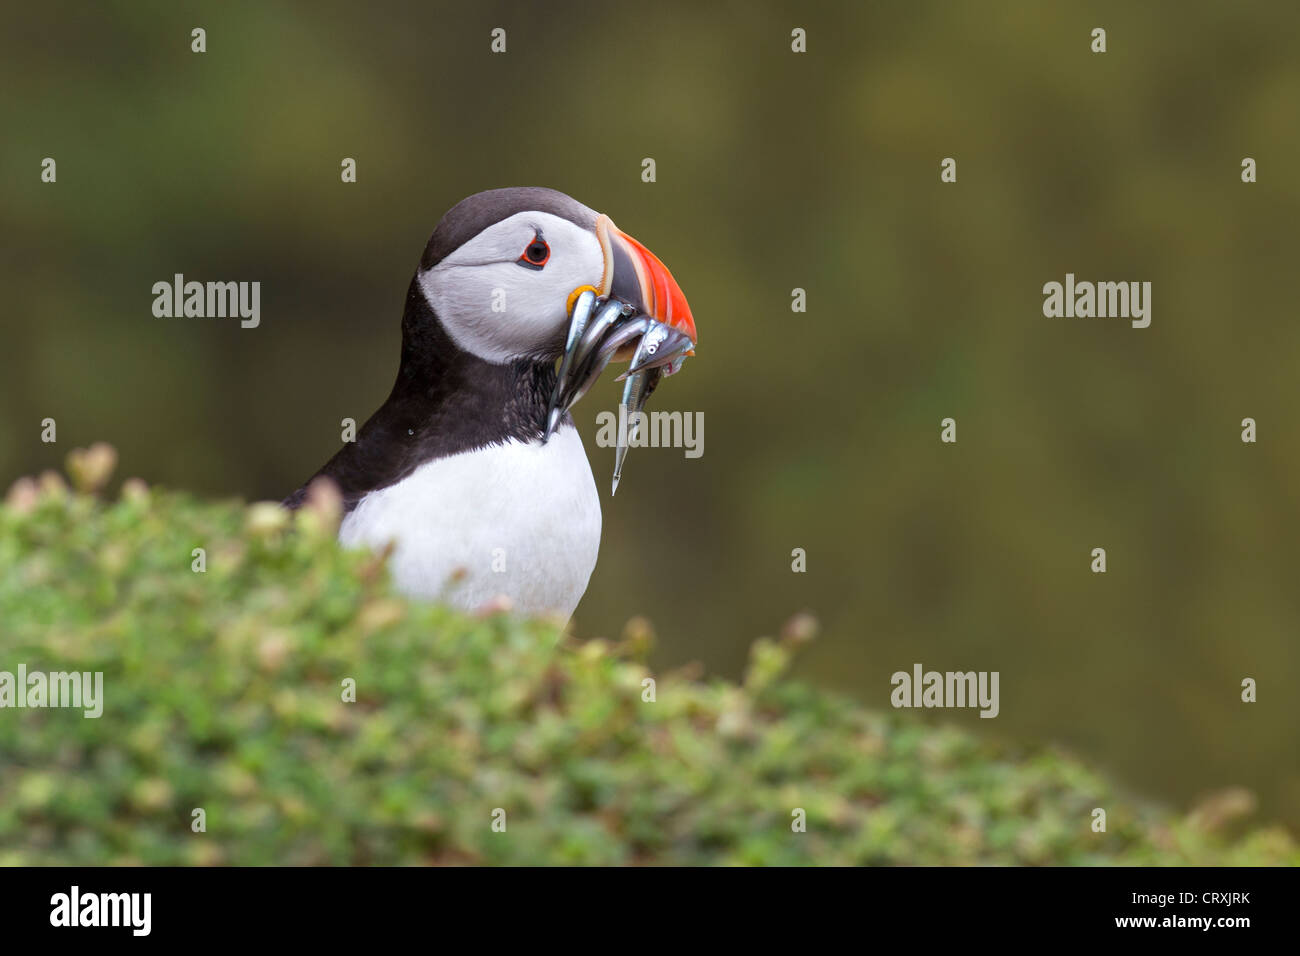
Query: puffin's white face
x=504, y=294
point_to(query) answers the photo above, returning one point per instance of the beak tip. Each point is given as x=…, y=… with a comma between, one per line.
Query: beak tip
x=633, y=272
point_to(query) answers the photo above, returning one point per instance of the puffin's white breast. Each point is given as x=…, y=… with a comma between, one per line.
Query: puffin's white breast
x=516, y=519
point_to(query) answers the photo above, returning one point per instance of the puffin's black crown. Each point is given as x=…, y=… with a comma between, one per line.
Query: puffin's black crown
x=473, y=214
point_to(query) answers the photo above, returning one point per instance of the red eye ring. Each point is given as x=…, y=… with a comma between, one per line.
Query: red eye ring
x=536, y=254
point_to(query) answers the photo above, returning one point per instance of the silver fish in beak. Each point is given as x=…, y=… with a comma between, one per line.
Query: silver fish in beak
x=639, y=315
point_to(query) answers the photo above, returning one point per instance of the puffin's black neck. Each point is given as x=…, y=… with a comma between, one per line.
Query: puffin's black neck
x=458, y=398
x=445, y=401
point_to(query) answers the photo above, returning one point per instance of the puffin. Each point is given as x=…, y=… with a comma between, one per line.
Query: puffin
x=482, y=501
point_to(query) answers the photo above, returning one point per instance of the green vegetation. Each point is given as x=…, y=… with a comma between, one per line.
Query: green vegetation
x=223, y=691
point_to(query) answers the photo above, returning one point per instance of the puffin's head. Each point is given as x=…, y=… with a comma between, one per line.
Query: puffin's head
x=503, y=269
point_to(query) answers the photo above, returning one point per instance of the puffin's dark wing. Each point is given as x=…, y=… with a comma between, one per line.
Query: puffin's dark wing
x=375, y=460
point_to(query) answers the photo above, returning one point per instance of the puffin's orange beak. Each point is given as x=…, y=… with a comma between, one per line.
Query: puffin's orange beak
x=634, y=274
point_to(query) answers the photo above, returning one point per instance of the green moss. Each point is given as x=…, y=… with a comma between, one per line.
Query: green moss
x=223, y=691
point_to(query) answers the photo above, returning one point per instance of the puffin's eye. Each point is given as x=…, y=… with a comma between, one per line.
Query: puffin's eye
x=536, y=254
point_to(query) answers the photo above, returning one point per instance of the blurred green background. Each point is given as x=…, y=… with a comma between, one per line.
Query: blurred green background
x=775, y=171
